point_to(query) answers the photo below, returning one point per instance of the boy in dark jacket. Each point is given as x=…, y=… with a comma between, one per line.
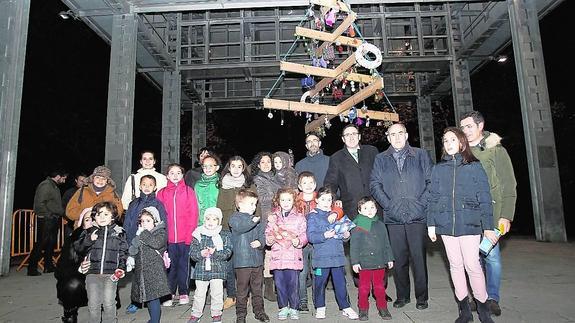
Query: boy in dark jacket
x=370, y=253
x=107, y=251
x=248, y=242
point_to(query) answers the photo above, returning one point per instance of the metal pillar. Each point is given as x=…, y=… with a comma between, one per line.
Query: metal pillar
x=425, y=124
x=459, y=70
x=171, y=119
x=198, y=128
x=120, y=114
x=13, y=35
x=537, y=121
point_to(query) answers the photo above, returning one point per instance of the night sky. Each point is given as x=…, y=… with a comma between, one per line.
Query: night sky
x=65, y=95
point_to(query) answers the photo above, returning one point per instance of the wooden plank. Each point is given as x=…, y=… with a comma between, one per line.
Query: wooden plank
x=332, y=4
x=348, y=21
x=360, y=78
x=345, y=65
x=306, y=69
x=373, y=115
x=323, y=36
x=359, y=96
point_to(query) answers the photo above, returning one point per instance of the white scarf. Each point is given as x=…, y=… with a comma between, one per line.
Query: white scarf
x=215, y=234
x=233, y=182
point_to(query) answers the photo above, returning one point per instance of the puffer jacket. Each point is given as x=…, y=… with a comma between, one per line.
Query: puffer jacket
x=150, y=279
x=206, y=189
x=161, y=182
x=244, y=231
x=218, y=259
x=105, y=261
x=86, y=197
x=459, y=199
x=371, y=249
x=47, y=200
x=227, y=203
x=497, y=164
x=182, y=211
x=285, y=255
x=402, y=195
x=326, y=252
x=133, y=212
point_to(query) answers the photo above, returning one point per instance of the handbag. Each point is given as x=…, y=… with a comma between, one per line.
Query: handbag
x=166, y=258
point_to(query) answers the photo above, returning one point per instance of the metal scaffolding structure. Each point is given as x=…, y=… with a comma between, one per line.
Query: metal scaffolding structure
x=213, y=54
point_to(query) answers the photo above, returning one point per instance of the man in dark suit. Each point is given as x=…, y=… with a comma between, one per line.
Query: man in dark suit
x=350, y=169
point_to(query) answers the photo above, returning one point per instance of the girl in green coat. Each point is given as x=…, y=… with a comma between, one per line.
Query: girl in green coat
x=207, y=186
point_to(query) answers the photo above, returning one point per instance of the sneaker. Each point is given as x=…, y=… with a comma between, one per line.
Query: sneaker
x=384, y=314
x=320, y=313
x=303, y=307
x=494, y=307
x=283, y=313
x=170, y=302
x=294, y=314
x=131, y=309
x=193, y=319
x=229, y=302
x=262, y=317
x=217, y=319
x=349, y=313
x=363, y=315
x=184, y=300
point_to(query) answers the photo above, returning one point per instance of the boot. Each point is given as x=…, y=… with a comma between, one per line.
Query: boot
x=70, y=315
x=465, y=315
x=269, y=290
x=484, y=312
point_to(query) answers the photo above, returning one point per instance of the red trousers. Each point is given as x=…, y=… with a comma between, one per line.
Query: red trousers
x=366, y=278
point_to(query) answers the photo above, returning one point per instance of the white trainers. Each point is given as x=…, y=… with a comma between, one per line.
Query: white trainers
x=320, y=313
x=283, y=313
x=294, y=314
x=349, y=313
x=184, y=300
x=168, y=303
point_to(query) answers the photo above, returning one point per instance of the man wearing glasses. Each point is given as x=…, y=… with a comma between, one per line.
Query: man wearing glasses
x=399, y=183
x=315, y=161
x=350, y=169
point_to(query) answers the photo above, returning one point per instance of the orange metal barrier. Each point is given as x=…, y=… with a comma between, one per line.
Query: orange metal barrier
x=24, y=235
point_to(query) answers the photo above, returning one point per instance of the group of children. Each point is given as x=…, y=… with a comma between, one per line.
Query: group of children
x=218, y=228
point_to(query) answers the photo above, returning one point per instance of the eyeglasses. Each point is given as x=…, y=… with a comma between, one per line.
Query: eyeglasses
x=312, y=141
x=351, y=135
x=397, y=134
x=466, y=126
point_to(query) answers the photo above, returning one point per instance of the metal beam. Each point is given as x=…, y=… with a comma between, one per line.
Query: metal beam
x=425, y=124
x=171, y=110
x=459, y=71
x=14, y=15
x=537, y=122
x=120, y=116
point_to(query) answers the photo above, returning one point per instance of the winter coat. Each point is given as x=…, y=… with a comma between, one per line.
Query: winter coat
x=286, y=176
x=459, y=199
x=499, y=169
x=47, y=200
x=317, y=164
x=351, y=177
x=244, y=231
x=283, y=254
x=371, y=249
x=182, y=211
x=308, y=205
x=206, y=189
x=105, y=261
x=86, y=197
x=133, y=212
x=402, y=195
x=326, y=252
x=218, y=259
x=70, y=285
x=150, y=280
x=192, y=176
x=227, y=203
x=267, y=185
x=161, y=182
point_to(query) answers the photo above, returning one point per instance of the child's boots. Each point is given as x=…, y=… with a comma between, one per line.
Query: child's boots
x=484, y=312
x=465, y=315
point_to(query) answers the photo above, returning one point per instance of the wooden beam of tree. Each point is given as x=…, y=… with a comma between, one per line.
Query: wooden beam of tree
x=338, y=31
x=327, y=72
x=385, y=116
x=323, y=36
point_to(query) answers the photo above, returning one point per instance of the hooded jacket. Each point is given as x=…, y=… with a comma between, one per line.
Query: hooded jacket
x=286, y=176
x=285, y=255
x=497, y=164
x=326, y=252
x=244, y=231
x=266, y=185
x=459, y=199
x=161, y=182
x=182, y=211
x=108, y=252
x=317, y=164
x=86, y=197
x=133, y=212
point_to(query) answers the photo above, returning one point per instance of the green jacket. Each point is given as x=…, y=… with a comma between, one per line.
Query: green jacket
x=499, y=169
x=207, y=193
x=47, y=200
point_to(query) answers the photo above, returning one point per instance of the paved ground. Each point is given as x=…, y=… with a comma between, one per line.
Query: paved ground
x=538, y=286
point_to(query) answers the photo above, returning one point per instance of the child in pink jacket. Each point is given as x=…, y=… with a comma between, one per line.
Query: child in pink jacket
x=286, y=234
x=182, y=210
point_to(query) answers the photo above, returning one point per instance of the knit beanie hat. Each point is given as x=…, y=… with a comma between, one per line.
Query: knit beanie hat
x=104, y=172
x=214, y=211
x=154, y=212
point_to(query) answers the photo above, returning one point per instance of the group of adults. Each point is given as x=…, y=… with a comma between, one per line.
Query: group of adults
x=398, y=179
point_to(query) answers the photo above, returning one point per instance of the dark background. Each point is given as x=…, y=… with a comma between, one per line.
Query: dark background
x=65, y=95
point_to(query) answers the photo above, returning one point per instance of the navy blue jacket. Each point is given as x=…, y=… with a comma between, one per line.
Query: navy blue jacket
x=326, y=252
x=402, y=195
x=317, y=164
x=459, y=198
x=244, y=231
x=134, y=209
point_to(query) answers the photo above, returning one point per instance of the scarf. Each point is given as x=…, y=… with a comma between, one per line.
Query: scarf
x=215, y=234
x=97, y=189
x=364, y=222
x=400, y=155
x=233, y=182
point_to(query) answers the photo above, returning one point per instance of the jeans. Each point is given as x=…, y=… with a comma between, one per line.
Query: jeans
x=155, y=310
x=47, y=230
x=492, y=263
x=101, y=295
x=304, y=274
